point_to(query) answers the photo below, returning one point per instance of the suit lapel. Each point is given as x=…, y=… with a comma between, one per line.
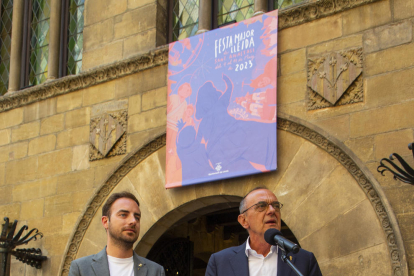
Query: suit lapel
x=283, y=268
x=140, y=268
x=100, y=263
x=239, y=261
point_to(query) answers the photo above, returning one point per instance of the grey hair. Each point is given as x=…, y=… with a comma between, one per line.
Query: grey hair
x=243, y=201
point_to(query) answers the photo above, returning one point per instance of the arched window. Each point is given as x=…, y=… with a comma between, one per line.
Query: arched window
x=233, y=11
x=6, y=14
x=184, y=22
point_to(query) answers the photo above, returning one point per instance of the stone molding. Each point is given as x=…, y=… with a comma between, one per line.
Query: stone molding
x=156, y=57
x=287, y=123
x=316, y=9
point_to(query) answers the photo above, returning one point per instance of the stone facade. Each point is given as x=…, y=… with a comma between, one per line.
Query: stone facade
x=327, y=156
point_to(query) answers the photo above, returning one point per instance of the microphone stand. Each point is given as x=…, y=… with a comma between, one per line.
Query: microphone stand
x=285, y=259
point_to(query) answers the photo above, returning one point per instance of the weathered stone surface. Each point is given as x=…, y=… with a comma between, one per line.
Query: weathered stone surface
x=339, y=44
x=14, y=170
x=106, y=9
x=18, y=150
x=293, y=62
x=52, y=124
x=147, y=120
x=291, y=88
x=80, y=200
x=370, y=261
x=73, y=137
x=380, y=120
x=139, y=43
x=76, y=181
x=58, y=205
x=35, y=189
x=56, y=162
x=69, y=101
x=55, y=244
x=98, y=34
x=388, y=36
x=11, y=118
x=154, y=98
x=93, y=240
x=406, y=223
x=104, y=55
x=362, y=147
x=337, y=126
x=69, y=222
x=42, y=144
x=139, y=139
x=5, y=192
x=393, y=142
x=99, y=93
x=12, y=211
x=366, y=16
x=134, y=105
x=301, y=178
x=312, y=33
x=389, y=60
x=102, y=173
x=403, y=9
x=135, y=21
x=133, y=4
x=109, y=107
x=5, y=137
x=80, y=158
x=77, y=118
x=26, y=131
x=141, y=82
x=359, y=229
x=2, y=173
x=32, y=209
x=337, y=194
x=401, y=199
x=39, y=110
x=48, y=225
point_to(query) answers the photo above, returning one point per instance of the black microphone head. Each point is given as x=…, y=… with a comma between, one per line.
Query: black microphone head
x=270, y=234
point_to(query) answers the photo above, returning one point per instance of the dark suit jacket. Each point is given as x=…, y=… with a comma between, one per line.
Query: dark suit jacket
x=234, y=262
x=97, y=265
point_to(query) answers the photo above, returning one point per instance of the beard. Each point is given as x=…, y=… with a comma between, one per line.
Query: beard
x=121, y=239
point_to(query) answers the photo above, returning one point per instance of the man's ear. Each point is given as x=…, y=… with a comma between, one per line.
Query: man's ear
x=105, y=221
x=243, y=222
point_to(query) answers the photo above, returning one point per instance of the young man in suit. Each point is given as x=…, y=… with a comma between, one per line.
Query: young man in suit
x=259, y=211
x=121, y=219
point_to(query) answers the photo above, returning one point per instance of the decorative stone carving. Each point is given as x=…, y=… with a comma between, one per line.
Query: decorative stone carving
x=316, y=9
x=107, y=135
x=398, y=263
x=335, y=79
x=86, y=79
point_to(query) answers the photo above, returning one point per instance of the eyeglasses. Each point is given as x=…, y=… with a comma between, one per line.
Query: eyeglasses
x=262, y=205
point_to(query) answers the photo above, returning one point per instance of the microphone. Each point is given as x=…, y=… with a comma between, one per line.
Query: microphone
x=275, y=237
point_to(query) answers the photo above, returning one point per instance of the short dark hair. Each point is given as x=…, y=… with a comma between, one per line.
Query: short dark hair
x=106, y=209
x=243, y=202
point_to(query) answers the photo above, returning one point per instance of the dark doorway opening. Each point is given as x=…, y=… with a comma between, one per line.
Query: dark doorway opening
x=185, y=248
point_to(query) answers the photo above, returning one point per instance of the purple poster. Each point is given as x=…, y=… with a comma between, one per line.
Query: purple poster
x=221, y=112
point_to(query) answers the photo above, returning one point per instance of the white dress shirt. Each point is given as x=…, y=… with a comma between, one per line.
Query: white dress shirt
x=121, y=267
x=260, y=265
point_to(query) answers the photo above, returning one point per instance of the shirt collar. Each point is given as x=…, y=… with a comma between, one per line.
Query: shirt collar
x=249, y=250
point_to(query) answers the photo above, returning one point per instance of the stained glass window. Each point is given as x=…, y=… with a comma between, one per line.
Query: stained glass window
x=39, y=41
x=234, y=10
x=75, y=37
x=281, y=4
x=5, y=43
x=185, y=18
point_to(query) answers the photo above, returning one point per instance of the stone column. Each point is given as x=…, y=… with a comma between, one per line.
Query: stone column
x=260, y=7
x=204, y=16
x=16, y=46
x=54, y=40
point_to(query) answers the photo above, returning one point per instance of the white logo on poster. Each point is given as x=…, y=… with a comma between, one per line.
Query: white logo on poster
x=218, y=167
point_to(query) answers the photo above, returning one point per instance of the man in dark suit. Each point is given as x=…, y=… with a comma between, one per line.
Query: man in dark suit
x=259, y=211
x=121, y=219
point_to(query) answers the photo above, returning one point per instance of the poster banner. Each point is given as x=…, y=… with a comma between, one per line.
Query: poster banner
x=221, y=112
